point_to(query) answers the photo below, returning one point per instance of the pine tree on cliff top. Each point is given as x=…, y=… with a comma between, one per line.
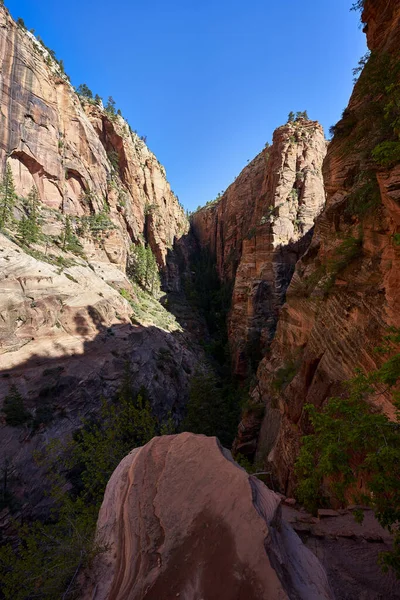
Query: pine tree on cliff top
x=7, y=198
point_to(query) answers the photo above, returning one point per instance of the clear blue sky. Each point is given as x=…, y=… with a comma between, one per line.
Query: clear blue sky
x=207, y=82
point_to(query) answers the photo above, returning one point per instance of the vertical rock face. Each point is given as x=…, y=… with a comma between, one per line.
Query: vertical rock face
x=291, y=197
x=181, y=519
x=344, y=294
x=81, y=159
x=70, y=319
x=259, y=229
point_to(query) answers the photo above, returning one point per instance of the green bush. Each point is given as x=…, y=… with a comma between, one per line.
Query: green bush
x=387, y=154
x=143, y=269
x=285, y=375
x=351, y=440
x=50, y=556
x=365, y=197
x=29, y=227
x=14, y=409
x=213, y=407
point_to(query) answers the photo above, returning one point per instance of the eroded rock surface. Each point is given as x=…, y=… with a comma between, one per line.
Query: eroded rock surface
x=81, y=158
x=183, y=520
x=344, y=294
x=70, y=319
x=259, y=229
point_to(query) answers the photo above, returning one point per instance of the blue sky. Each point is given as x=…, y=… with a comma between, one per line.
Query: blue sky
x=207, y=82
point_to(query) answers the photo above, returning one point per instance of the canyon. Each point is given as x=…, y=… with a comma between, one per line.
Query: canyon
x=305, y=242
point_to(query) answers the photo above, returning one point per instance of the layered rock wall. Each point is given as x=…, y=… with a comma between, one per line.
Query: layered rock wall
x=344, y=294
x=81, y=159
x=259, y=229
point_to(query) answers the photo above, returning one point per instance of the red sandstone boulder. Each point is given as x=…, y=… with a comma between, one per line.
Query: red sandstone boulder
x=182, y=520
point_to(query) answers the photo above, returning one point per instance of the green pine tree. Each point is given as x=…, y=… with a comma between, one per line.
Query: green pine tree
x=69, y=241
x=29, y=227
x=7, y=198
x=14, y=409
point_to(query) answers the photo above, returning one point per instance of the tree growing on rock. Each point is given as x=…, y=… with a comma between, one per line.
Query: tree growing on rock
x=8, y=198
x=29, y=227
x=85, y=91
x=110, y=106
x=143, y=268
x=14, y=409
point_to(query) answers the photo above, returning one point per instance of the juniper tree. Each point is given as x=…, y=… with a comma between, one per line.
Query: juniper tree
x=7, y=198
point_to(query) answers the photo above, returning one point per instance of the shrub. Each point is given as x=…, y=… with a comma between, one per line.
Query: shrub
x=365, y=196
x=143, y=269
x=48, y=558
x=352, y=440
x=387, y=154
x=14, y=409
x=285, y=375
x=212, y=409
x=29, y=227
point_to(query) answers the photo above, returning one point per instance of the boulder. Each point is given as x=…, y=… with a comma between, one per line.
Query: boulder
x=180, y=519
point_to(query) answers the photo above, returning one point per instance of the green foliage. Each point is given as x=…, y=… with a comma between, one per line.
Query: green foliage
x=29, y=227
x=100, y=445
x=345, y=126
x=21, y=23
x=49, y=557
x=361, y=64
x=84, y=91
x=110, y=107
x=213, y=408
x=365, y=196
x=69, y=240
x=7, y=198
x=352, y=441
x=97, y=224
x=143, y=268
x=284, y=375
x=291, y=117
x=14, y=409
x=113, y=157
x=205, y=292
x=387, y=154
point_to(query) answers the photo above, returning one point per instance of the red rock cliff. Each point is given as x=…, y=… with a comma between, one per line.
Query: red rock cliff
x=260, y=227
x=345, y=291
x=77, y=155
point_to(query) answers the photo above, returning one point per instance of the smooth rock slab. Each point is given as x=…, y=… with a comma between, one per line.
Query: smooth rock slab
x=182, y=520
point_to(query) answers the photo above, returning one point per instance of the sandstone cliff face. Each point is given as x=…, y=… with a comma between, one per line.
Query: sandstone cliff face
x=259, y=229
x=181, y=519
x=344, y=293
x=71, y=320
x=80, y=159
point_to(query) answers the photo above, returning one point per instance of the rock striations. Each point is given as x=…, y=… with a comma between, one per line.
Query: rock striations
x=344, y=294
x=70, y=319
x=81, y=158
x=259, y=229
x=180, y=519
